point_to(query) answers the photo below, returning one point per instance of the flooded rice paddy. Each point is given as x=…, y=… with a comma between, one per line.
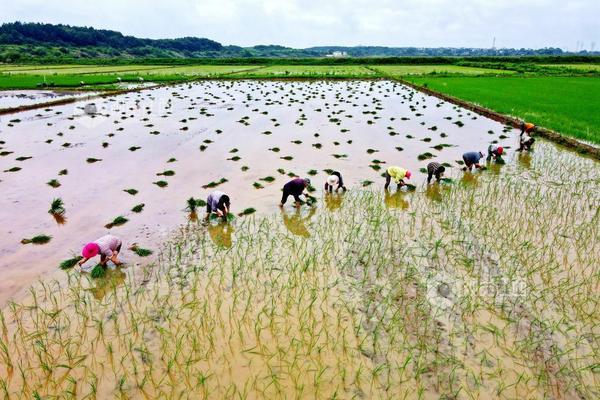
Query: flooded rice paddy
x=483, y=287
x=19, y=98
x=244, y=132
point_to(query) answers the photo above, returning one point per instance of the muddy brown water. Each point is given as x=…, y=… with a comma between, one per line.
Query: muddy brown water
x=173, y=122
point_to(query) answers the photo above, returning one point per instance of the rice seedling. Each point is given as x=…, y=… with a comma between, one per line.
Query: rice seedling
x=70, y=263
x=247, y=211
x=166, y=173
x=245, y=168
x=161, y=184
x=98, y=271
x=57, y=207
x=424, y=156
x=54, y=183
x=138, y=208
x=268, y=179
x=131, y=191
x=213, y=184
x=171, y=160
x=23, y=158
x=235, y=158
x=13, y=169
x=257, y=185
x=118, y=221
x=92, y=160
x=140, y=251
x=38, y=239
x=134, y=148
x=287, y=158
x=63, y=172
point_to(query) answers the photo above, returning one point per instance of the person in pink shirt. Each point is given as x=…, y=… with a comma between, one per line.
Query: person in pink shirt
x=107, y=246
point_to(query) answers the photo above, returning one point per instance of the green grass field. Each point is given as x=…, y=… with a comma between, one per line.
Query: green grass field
x=576, y=67
x=568, y=105
x=404, y=70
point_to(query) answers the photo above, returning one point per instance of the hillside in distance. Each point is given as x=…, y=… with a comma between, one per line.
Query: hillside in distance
x=22, y=42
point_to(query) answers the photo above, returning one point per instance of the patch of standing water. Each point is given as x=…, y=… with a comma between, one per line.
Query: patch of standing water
x=19, y=98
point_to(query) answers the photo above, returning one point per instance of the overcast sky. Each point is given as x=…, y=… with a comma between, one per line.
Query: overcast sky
x=305, y=23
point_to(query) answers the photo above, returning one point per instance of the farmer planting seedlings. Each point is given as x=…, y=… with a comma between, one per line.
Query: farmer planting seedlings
x=525, y=139
x=471, y=159
x=398, y=174
x=495, y=152
x=107, y=246
x=295, y=188
x=334, y=182
x=219, y=204
x=435, y=169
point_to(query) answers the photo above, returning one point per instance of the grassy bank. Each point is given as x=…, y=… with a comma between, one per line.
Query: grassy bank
x=568, y=105
x=481, y=289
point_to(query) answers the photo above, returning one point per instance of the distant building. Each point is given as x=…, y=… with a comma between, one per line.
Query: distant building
x=338, y=54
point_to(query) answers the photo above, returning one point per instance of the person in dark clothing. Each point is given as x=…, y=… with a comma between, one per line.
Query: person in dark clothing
x=437, y=169
x=295, y=188
x=471, y=159
x=334, y=181
x=218, y=203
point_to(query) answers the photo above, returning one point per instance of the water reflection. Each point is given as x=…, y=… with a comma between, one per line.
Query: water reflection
x=396, y=200
x=524, y=160
x=496, y=166
x=114, y=278
x=333, y=201
x=220, y=233
x=295, y=223
x=470, y=179
x=433, y=192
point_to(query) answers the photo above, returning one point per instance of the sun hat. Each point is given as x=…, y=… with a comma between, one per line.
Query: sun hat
x=408, y=174
x=90, y=250
x=500, y=150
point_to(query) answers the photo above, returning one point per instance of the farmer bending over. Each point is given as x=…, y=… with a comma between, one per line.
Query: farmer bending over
x=471, y=159
x=295, y=188
x=398, y=174
x=107, y=246
x=217, y=203
x=437, y=169
x=334, y=181
x=525, y=139
x=495, y=152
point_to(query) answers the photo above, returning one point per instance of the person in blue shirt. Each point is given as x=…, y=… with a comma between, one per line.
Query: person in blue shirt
x=471, y=159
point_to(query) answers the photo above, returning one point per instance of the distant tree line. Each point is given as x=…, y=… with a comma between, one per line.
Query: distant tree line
x=47, y=43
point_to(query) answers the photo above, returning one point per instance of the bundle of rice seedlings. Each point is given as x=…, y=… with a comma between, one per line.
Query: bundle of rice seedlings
x=70, y=263
x=120, y=220
x=140, y=251
x=247, y=211
x=138, y=208
x=39, y=239
x=57, y=207
x=98, y=271
x=132, y=192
